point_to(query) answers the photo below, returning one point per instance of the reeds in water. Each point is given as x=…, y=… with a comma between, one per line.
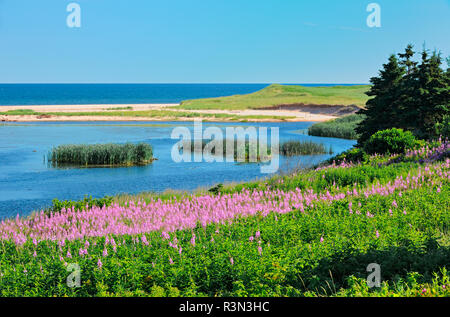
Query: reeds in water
x=294, y=148
x=102, y=154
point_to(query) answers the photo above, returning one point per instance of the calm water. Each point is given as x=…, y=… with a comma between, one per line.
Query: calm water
x=82, y=94
x=27, y=183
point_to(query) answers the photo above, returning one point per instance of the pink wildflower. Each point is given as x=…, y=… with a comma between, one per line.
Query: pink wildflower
x=99, y=264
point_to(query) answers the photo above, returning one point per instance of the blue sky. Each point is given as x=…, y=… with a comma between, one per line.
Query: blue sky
x=211, y=41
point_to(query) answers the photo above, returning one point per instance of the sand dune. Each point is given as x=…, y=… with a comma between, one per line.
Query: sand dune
x=297, y=114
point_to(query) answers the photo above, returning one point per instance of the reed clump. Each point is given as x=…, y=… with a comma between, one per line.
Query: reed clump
x=294, y=148
x=344, y=128
x=260, y=154
x=102, y=154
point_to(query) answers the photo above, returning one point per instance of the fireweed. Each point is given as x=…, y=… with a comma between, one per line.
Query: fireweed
x=141, y=217
x=275, y=241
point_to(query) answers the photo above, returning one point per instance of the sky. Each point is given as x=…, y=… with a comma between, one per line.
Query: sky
x=212, y=41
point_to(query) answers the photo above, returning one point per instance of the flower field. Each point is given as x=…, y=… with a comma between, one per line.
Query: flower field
x=309, y=234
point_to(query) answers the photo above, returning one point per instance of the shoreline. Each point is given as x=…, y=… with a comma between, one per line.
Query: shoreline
x=103, y=111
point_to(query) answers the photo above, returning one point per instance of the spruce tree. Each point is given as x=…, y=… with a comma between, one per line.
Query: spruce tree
x=381, y=110
x=432, y=95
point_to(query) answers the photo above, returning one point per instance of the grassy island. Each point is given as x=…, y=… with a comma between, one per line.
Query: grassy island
x=102, y=154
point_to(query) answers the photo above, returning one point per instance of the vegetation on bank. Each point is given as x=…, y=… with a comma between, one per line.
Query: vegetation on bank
x=159, y=114
x=119, y=108
x=275, y=95
x=101, y=154
x=344, y=128
x=316, y=239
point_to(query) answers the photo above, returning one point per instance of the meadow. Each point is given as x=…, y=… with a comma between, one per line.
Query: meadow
x=275, y=95
x=312, y=233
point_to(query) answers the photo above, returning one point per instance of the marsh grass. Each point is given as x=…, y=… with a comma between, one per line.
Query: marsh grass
x=190, y=146
x=295, y=148
x=101, y=154
x=343, y=128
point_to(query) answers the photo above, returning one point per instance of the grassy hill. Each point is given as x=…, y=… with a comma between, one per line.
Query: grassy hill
x=284, y=95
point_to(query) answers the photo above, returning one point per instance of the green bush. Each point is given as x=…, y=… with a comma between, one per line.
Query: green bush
x=390, y=141
x=58, y=205
x=353, y=155
x=443, y=128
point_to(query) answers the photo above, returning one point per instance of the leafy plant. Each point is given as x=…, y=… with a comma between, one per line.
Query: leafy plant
x=391, y=141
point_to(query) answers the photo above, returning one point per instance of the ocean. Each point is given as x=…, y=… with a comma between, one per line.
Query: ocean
x=86, y=94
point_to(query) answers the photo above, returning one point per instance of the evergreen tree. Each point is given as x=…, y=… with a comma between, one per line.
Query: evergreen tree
x=380, y=111
x=408, y=95
x=406, y=59
x=432, y=95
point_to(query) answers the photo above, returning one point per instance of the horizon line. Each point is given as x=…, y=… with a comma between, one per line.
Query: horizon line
x=199, y=83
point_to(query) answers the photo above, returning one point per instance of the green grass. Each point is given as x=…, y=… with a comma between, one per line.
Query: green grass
x=343, y=128
x=119, y=108
x=283, y=94
x=321, y=252
x=19, y=112
x=165, y=114
x=101, y=154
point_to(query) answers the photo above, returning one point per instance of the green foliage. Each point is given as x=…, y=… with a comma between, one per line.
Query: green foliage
x=344, y=128
x=86, y=203
x=259, y=155
x=275, y=95
x=101, y=154
x=354, y=155
x=381, y=112
x=322, y=252
x=391, y=141
x=409, y=95
x=293, y=148
x=443, y=128
x=19, y=112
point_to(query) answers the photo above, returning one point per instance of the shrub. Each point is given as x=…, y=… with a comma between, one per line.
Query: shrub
x=443, y=128
x=390, y=141
x=58, y=205
x=353, y=155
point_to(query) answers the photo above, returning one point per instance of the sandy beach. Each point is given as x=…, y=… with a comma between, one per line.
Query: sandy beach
x=297, y=115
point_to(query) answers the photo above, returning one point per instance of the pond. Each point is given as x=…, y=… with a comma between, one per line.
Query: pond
x=28, y=183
